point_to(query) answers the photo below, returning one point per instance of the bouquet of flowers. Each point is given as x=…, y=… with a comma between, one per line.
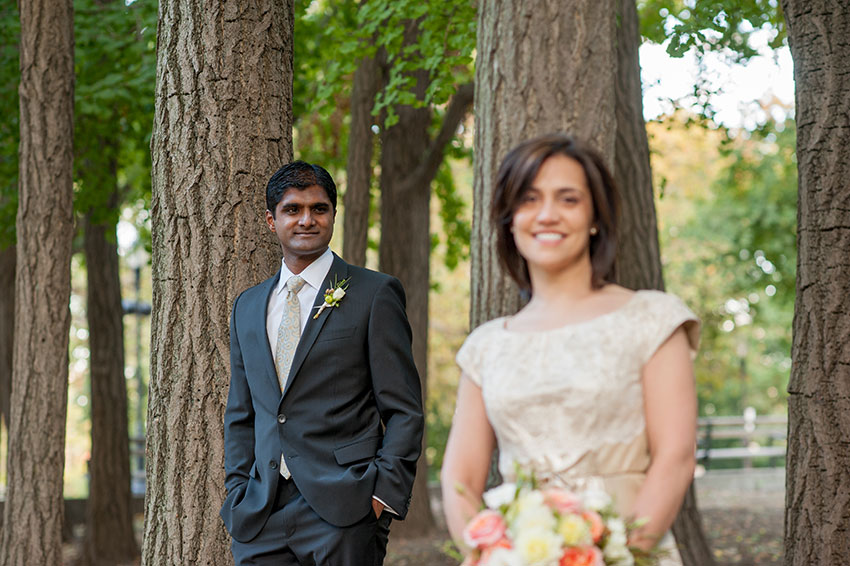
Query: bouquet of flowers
x=525, y=526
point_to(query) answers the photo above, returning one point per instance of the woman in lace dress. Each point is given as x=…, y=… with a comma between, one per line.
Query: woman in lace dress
x=590, y=385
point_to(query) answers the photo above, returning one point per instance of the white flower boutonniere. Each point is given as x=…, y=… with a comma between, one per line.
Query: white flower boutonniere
x=333, y=295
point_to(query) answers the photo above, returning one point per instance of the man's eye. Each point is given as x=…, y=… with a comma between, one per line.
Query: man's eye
x=290, y=209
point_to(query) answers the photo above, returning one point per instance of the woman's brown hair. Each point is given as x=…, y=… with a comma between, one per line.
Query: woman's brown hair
x=516, y=173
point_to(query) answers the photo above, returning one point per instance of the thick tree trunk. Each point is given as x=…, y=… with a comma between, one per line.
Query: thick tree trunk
x=409, y=162
x=404, y=252
x=541, y=66
x=639, y=262
x=358, y=170
x=109, y=537
x=32, y=531
x=222, y=126
x=817, y=491
x=7, y=328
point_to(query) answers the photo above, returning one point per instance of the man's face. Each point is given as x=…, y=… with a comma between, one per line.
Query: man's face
x=303, y=223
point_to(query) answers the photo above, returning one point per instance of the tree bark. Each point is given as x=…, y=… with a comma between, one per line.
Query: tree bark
x=32, y=532
x=541, y=66
x=817, y=490
x=7, y=328
x=222, y=126
x=410, y=160
x=638, y=259
x=109, y=537
x=639, y=262
x=358, y=170
x=404, y=252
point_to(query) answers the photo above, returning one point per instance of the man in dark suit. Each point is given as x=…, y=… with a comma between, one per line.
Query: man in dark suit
x=324, y=421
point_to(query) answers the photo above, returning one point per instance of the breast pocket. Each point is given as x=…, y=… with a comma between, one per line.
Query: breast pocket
x=336, y=334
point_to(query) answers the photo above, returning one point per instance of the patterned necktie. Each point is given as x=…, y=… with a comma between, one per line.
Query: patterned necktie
x=288, y=334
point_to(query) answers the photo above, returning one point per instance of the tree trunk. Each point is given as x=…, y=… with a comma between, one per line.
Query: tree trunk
x=222, y=126
x=109, y=537
x=409, y=163
x=404, y=252
x=7, y=328
x=817, y=490
x=639, y=262
x=32, y=532
x=541, y=66
x=358, y=170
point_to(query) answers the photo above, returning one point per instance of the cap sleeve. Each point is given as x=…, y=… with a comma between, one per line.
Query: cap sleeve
x=668, y=314
x=469, y=357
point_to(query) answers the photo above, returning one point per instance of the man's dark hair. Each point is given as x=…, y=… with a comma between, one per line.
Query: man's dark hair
x=298, y=175
x=517, y=172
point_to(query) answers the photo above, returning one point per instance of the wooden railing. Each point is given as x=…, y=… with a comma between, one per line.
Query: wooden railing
x=742, y=438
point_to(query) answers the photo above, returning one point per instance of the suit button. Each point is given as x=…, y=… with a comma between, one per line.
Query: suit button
x=281, y=418
x=273, y=464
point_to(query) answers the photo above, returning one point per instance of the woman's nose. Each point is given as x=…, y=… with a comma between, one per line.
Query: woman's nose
x=546, y=212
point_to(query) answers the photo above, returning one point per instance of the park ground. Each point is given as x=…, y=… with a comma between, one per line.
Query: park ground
x=742, y=514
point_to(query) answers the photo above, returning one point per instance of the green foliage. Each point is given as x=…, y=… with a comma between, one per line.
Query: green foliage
x=331, y=38
x=10, y=30
x=734, y=261
x=115, y=66
x=712, y=25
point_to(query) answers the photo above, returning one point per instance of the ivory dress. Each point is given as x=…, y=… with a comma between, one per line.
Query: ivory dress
x=567, y=403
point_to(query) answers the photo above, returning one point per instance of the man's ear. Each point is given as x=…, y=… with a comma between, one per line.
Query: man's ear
x=270, y=220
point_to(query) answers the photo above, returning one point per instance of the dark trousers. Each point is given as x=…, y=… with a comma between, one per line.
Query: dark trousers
x=295, y=535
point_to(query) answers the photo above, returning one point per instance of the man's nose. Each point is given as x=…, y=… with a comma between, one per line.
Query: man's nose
x=306, y=218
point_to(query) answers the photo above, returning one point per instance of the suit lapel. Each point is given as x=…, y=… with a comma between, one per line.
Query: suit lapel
x=262, y=336
x=338, y=271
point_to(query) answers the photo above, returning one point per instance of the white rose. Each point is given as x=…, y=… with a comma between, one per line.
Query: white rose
x=501, y=495
x=339, y=293
x=538, y=547
x=595, y=499
x=504, y=557
x=616, y=549
x=530, y=512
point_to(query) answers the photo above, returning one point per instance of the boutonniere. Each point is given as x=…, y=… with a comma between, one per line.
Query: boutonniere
x=333, y=295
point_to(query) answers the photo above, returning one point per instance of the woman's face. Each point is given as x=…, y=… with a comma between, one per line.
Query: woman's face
x=551, y=225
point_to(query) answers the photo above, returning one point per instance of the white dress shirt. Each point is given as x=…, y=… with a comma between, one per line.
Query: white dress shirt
x=315, y=277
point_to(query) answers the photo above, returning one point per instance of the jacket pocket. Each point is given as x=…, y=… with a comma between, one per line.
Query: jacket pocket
x=358, y=450
x=335, y=334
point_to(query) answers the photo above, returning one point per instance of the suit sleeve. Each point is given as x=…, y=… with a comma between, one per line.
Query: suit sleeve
x=398, y=395
x=238, y=416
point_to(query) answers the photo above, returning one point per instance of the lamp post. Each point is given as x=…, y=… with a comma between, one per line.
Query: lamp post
x=135, y=261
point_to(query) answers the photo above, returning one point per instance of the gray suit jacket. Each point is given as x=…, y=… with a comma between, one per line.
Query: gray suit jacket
x=350, y=419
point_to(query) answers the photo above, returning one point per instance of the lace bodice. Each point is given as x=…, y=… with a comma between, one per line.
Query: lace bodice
x=568, y=403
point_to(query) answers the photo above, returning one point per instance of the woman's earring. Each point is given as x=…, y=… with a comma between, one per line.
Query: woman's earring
x=593, y=230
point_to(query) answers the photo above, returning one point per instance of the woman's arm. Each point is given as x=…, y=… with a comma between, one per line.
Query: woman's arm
x=467, y=459
x=669, y=398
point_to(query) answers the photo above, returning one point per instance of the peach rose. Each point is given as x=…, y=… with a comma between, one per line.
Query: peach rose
x=561, y=500
x=597, y=527
x=582, y=556
x=485, y=529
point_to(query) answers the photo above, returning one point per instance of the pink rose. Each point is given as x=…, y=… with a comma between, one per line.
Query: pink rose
x=485, y=529
x=594, y=521
x=562, y=501
x=582, y=556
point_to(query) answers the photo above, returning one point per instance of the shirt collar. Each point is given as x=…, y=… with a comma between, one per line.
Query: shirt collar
x=313, y=274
